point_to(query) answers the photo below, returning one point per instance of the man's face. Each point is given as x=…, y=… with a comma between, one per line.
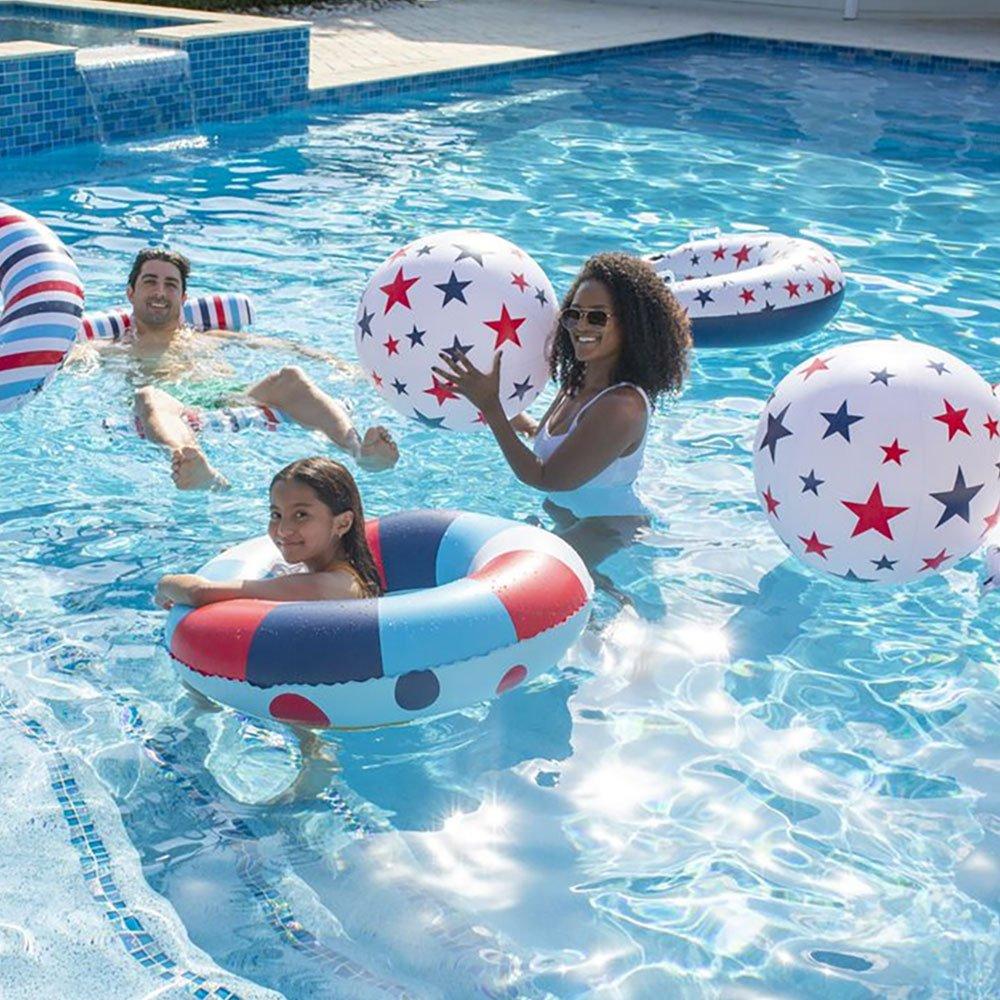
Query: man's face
x=157, y=295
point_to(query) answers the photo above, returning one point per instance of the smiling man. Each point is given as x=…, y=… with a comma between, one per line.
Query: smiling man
x=186, y=363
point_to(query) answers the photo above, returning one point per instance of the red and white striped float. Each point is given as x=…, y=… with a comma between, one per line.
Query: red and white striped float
x=42, y=297
x=473, y=606
x=745, y=289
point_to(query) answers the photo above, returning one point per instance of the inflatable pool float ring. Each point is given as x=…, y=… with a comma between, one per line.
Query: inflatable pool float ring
x=745, y=289
x=42, y=298
x=473, y=606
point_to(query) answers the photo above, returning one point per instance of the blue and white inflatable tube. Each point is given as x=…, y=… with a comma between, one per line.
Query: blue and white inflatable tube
x=473, y=606
x=42, y=297
x=746, y=289
x=213, y=311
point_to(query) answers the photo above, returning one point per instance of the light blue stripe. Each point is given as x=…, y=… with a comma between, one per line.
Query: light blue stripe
x=27, y=274
x=18, y=232
x=53, y=331
x=13, y=389
x=233, y=317
x=465, y=536
x=426, y=628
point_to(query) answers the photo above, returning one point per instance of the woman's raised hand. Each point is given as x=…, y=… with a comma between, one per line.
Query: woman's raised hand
x=482, y=389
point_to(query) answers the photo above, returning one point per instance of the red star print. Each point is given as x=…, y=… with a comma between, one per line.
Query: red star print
x=391, y=345
x=893, y=453
x=873, y=515
x=401, y=252
x=480, y=418
x=955, y=419
x=506, y=328
x=814, y=545
x=809, y=286
x=441, y=390
x=816, y=365
x=396, y=291
x=991, y=520
x=377, y=379
x=792, y=289
x=991, y=426
x=742, y=256
x=747, y=296
x=828, y=284
x=934, y=562
x=519, y=281
x=772, y=504
x=719, y=253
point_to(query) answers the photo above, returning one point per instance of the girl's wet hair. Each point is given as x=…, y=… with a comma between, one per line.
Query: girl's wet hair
x=656, y=334
x=338, y=491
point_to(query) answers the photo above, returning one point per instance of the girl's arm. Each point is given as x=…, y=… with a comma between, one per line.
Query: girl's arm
x=196, y=591
x=606, y=431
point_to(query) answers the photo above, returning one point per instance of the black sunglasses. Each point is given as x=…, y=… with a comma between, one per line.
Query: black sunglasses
x=571, y=317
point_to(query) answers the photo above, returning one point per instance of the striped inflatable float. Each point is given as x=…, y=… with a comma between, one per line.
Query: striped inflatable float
x=42, y=297
x=743, y=289
x=473, y=606
x=229, y=311
x=231, y=419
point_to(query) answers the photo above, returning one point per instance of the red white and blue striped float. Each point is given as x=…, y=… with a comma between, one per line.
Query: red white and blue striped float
x=744, y=289
x=42, y=297
x=226, y=311
x=473, y=606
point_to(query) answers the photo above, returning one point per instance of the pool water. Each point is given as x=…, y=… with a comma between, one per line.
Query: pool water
x=744, y=781
x=18, y=29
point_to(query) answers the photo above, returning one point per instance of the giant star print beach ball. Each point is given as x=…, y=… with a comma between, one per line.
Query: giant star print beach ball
x=878, y=461
x=455, y=291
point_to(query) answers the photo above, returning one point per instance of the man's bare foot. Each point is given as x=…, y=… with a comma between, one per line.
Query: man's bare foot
x=190, y=471
x=378, y=450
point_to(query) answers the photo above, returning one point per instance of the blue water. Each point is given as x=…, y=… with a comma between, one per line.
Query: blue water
x=745, y=781
x=79, y=35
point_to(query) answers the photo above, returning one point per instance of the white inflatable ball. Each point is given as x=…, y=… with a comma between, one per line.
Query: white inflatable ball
x=880, y=461
x=455, y=291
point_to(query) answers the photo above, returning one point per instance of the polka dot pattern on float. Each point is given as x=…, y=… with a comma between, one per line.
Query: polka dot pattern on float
x=512, y=678
x=418, y=689
x=297, y=708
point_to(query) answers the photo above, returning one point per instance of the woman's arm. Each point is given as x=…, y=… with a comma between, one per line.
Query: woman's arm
x=196, y=591
x=607, y=430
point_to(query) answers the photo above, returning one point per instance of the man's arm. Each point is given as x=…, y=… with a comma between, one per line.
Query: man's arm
x=276, y=343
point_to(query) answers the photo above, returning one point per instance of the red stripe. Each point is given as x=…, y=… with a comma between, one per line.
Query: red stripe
x=44, y=286
x=215, y=639
x=6, y=220
x=88, y=330
x=26, y=359
x=375, y=544
x=220, y=312
x=538, y=590
x=269, y=416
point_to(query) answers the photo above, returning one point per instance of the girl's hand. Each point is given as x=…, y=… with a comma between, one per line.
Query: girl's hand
x=482, y=389
x=175, y=588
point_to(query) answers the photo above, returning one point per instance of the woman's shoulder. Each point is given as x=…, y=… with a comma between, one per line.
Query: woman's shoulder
x=624, y=399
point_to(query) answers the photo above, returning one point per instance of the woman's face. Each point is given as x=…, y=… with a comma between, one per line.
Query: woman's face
x=303, y=528
x=592, y=325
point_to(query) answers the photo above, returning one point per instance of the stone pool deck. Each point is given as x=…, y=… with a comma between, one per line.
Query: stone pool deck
x=350, y=47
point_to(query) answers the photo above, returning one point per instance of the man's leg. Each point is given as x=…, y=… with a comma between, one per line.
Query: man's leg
x=295, y=394
x=160, y=416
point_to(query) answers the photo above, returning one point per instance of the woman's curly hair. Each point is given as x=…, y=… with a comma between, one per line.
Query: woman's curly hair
x=656, y=333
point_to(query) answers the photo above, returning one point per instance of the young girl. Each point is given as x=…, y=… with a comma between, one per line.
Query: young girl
x=317, y=523
x=622, y=341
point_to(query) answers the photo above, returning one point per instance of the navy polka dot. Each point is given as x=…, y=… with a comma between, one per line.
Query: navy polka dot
x=417, y=689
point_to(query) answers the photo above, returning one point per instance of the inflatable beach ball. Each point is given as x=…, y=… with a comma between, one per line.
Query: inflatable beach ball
x=880, y=461
x=455, y=291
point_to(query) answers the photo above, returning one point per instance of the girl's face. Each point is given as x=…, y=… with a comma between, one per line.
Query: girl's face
x=591, y=323
x=303, y=528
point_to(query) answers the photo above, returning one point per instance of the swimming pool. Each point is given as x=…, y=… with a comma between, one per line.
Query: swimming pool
x=744, y=780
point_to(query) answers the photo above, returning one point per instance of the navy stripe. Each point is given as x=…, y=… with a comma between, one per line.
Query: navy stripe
x=409, y=543
x=207, y=320
x=765, y=327
x=24, y=253
x=316, y=642
x=42, y=308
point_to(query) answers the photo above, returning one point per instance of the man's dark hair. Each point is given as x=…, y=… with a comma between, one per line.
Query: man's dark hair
x=158, y=253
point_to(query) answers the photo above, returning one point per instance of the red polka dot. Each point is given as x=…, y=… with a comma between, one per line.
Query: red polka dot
x=512, y=678
x=296, y=708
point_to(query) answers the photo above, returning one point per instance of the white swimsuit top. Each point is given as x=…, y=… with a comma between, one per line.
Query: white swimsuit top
x=610, y=491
